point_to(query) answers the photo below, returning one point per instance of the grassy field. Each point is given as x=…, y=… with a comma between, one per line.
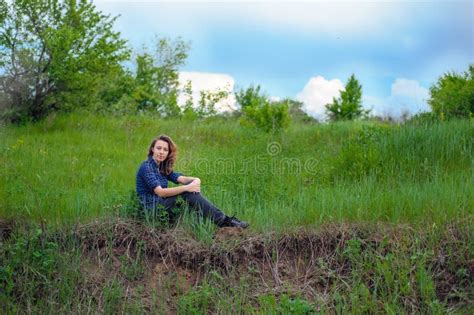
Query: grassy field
x=350, y=217
x=76, y=168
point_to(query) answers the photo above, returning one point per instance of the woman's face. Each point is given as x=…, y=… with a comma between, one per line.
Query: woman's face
x=160, y=150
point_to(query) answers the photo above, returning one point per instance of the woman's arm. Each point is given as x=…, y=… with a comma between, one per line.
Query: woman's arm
x=187, y=179
x=194, y=186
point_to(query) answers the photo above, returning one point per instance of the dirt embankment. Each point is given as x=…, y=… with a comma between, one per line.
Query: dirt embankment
x=309, y=263
x=314, y=264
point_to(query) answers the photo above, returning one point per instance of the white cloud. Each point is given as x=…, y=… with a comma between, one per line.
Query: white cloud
x=410, y=89
x=317, y=93
x=406, y=96
x=211, y=82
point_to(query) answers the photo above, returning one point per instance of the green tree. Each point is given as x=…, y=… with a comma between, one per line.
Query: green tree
x=453, y=94
x=257, y=110
x=250, y=98
x=156, y=77
x=151, y=85
x=206, y=102
x=115, y=93
x=188, y=110
x=54, y=55
x=209, y=99
x=349, y=105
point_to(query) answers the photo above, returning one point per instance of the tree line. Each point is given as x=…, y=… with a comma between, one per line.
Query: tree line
x=62, y=55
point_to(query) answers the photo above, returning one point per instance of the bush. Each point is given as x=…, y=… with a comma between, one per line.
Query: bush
x=257, y=110
x=453, y=95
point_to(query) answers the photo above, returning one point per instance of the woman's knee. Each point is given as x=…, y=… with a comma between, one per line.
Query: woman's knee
x=190, y=195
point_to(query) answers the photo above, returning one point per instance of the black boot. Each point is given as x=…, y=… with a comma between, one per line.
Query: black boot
x=233, y=222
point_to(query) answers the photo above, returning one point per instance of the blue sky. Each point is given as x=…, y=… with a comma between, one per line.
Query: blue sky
x=307, y=50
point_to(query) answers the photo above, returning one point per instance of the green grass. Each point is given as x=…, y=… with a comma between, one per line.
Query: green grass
x=409, y=179
x=76, y=168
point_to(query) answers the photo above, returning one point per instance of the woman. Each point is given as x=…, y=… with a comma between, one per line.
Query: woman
x=153, y=191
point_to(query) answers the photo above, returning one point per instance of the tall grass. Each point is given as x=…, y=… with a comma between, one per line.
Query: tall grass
x=80, y=167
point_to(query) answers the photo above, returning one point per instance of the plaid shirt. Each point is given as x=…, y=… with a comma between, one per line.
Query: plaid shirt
x=148, y=178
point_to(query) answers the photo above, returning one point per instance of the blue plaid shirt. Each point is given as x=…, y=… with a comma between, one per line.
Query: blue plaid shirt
x=148, y=178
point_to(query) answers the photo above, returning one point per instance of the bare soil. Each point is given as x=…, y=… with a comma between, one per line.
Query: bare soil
x=306, y=262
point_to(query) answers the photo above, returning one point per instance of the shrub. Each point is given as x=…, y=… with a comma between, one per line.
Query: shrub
x=453, y=94
x=257, y=110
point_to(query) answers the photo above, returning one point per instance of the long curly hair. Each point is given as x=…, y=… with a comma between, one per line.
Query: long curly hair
x=167, y=165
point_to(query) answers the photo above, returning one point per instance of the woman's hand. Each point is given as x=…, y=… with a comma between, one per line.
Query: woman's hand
x=194, y=186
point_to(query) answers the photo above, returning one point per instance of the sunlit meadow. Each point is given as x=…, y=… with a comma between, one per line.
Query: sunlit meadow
x=75, y=168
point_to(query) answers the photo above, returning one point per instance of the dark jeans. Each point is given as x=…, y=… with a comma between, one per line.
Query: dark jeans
x=198, y=203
